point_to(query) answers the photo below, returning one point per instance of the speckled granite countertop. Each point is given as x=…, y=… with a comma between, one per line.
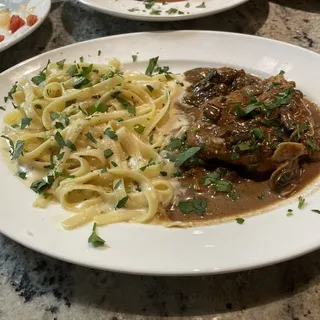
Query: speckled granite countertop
x=33, y=286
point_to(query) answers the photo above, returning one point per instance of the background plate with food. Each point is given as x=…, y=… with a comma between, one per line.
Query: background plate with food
x=172, y=10
x=20, y=18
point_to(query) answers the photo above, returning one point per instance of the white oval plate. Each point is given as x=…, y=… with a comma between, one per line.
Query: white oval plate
x=263, y=239
x=40, y=8
x=136, y=10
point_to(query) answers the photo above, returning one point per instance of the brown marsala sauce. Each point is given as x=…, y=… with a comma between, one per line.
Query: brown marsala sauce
x=253, y=188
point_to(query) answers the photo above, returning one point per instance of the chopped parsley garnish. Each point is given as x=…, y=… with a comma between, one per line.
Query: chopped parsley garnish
x=60, y=63
x=90, y=137
x=234, y=195
x=51, y=165
x=273, y=85
x=172, y=11
x=73, y=70
x=244, y=146
x=240, y=220
x=25, y=122
x=163, y=173
x=22, y=175
x=59, y=139
x=71, y=145
x=138, y=128
x=64, y=175
x=240, y=112
x=65, y=118
x=59, y=125
x=316, y=211
x=86, y=70
x=184, y=156
x=114, y=164
x=60, y=156
x=117, y=185
x=108, y=75
x=108, y=153
x=215, y=180
x=164, y=70
x=311, y=145
x=54, y=116
x=122, y=202
x=202, y=5
x=42, y=76
x=260, y=196
x=130, y=108
x=150, y=88
x=151, y=66
x=234, y=155
x=301, y=129
x=18, y=150
x=258, y=133
x=94, y=239
x=155, y=12
x=197, y=206
x=174, y=144
x=39, y=79
x=301, y=202
x=282, y=98
x=150, y=163
x=39, y=186
x=111, y=134
x=134, y=57
x=81, y=82
x=98, y=107
x=149, y=4
x=289, y=213
x=11, y=92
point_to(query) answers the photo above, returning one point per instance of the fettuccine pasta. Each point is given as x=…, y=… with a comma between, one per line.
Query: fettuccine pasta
x=93, y=134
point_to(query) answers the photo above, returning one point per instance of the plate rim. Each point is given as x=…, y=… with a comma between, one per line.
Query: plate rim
x=156, y=18
x=29, y=30
x=298, y=252
x=133, y=34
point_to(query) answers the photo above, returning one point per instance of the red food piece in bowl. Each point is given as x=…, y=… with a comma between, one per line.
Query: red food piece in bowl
x=16, y=23
x=31, y=19
x=1, y=37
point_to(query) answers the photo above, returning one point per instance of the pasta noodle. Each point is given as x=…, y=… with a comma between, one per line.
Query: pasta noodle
x=93, y=135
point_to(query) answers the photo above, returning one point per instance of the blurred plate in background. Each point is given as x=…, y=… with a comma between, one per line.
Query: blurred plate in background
x=23, y=9
x=168, y=11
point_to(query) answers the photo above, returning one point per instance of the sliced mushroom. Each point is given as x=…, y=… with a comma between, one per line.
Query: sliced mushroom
x=289, y=151
x=211, y=112
x=286, y=178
